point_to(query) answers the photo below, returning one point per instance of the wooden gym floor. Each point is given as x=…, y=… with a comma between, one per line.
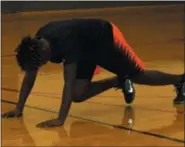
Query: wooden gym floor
x=157, y=36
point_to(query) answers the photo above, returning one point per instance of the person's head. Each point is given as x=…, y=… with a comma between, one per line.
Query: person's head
x=32, y=53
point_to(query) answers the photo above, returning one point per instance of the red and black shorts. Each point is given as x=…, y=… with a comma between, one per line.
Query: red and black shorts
x=118, y=58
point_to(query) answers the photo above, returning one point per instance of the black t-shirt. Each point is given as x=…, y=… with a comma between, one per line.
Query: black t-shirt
x=74, y=39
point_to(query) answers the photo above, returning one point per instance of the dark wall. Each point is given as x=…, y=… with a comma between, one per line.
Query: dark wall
x=20, y=6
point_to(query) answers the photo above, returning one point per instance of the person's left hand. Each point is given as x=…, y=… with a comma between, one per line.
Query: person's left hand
x=50, y=123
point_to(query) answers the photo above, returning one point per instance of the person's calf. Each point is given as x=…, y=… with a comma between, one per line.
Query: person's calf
x=84, y=89
x=156, y=78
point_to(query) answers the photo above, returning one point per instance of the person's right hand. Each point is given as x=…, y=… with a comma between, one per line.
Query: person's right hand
x=12, y=113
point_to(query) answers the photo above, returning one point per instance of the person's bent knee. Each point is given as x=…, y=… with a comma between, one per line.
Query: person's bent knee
x=77, y=100
x=80, y=89
x=78, y=95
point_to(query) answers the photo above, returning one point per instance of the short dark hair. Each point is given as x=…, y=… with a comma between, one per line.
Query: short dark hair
x=29, y=54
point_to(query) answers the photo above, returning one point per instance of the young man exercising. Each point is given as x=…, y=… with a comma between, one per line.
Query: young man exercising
x=81, y=45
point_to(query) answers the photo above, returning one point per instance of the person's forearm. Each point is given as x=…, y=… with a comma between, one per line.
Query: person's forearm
x=26, y=87
x=66, y=102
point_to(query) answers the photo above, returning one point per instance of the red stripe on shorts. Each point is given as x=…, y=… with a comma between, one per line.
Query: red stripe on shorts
x=97, y=70
x=120, y=41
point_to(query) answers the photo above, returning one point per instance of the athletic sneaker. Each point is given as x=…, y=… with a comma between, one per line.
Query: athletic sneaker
x=180, y=91
x=128, y=89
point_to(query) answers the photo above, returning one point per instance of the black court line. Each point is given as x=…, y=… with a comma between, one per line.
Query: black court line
x=54, y=95
x=103, y=123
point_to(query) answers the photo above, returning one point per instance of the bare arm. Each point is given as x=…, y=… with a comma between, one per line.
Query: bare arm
x=28, y=82
x=26, y=87
x=69, y=78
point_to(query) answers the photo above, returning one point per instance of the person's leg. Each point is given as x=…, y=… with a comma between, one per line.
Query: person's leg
x=84, y=88
x=157, y=78
x=125, y=62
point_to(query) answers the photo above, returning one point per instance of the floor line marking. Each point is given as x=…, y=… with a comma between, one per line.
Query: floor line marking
x=103, y=123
